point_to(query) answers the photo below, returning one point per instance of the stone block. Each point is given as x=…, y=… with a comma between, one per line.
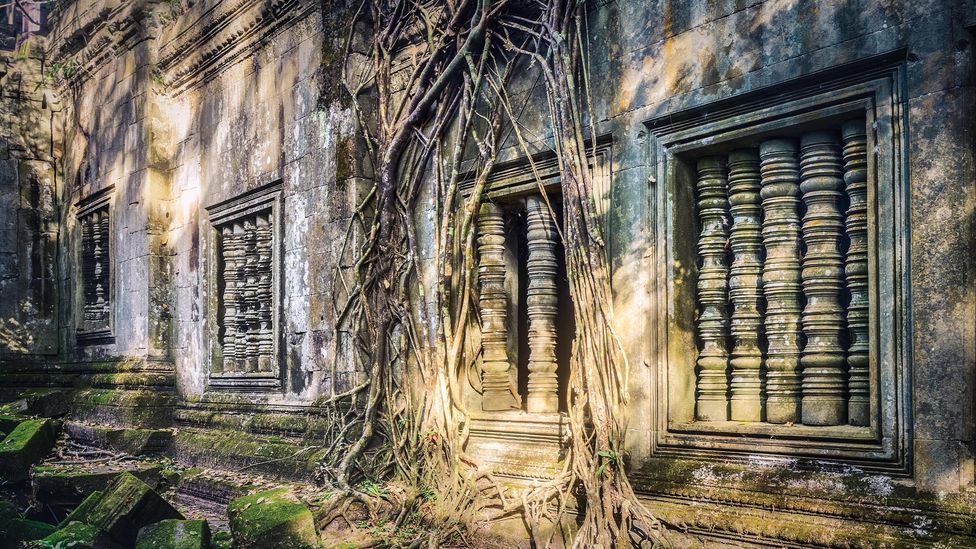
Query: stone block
x=78, y=535
x=175, y=534
x=274, y=519
x=26, y=445
x=40, y=402
x=127, y=505
x=80, y=513
x=68, y=485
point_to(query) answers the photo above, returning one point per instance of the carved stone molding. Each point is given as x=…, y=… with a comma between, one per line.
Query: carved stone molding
x=219, y=34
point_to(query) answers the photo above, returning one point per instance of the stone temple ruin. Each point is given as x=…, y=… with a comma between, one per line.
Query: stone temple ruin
x=787, y=190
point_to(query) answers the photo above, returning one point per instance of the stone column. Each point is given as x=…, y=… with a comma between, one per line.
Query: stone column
x=780, y=194
x=823, y=360
x=745, y=285
x=265, y=292
x=228, y=254
x=542, y=303
x=712, y=398
x=493, y=302
x=856, y=179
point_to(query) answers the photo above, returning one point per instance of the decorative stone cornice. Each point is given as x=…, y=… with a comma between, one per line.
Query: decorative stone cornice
x=215, y=35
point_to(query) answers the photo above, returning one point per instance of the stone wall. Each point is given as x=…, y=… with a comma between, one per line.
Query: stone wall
x=179, y=111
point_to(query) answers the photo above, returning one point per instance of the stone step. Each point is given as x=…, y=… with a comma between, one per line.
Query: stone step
x=132, y=441
x=65, y=486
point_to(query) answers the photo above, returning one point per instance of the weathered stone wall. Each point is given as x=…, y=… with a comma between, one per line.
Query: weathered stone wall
x=30, y=138
x=184, y=106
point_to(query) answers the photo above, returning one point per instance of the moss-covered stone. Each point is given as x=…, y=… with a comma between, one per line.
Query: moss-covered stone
x=175, y=534
x=10, y=422
x=26, y=445
x=80, y=513
x=221, y=540
x=15, y=531
x=78, y=535
x=274, y=519
x=67, y=486
x=127, y=505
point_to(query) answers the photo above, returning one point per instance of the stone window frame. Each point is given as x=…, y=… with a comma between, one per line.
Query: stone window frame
x=876, y=94
x=102, y=198
x=270, y=196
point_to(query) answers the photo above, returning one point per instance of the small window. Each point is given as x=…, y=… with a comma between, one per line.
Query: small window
x=244, y=299
x=781, y=322
x=95, y=276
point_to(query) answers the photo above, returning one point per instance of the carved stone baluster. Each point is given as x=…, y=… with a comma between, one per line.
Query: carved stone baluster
x=745, y=285
x=229, y=256
x=251, y=313
x=240, y=332
x=779, y=168
x=856, y=178
x=264, y=252
x=712, y=398
x=100, y=232
x=88, y=268
x=493, y=302
x=823, y=360
x=542, y=304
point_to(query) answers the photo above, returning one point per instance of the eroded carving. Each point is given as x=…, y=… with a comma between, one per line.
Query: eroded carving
x=856, y=270
x=493, y=301
x=542, y=307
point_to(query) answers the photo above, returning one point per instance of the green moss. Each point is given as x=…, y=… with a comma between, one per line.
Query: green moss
x=25, y=446
x=274, y=519
x=128, y=505
x=222, y=540
x=175, y=534
x=76, y=535
x=80, y=514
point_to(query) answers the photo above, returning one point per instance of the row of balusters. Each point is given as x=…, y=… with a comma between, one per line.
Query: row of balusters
x=773, y=292
x=94, y=265
x=246, y=274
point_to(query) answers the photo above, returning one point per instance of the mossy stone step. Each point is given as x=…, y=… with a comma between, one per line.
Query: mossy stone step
x=134, y=441
x=175, y=534
x=26, y=445
x=69, y=485
x=274, y=519
x=127, y=505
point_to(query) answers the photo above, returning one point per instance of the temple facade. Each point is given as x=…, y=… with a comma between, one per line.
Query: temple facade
x=787, y=189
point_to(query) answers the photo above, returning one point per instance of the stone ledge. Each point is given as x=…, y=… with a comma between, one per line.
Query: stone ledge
x=847, y=504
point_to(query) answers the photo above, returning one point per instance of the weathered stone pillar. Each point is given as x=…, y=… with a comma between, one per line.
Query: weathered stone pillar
x=712, y=400
x=781, y=278
x=542, y=304
x=493, y=301
x=856, y=179
x=229, y=340
x=745, y=285
x=265, y=292
x=823, y=361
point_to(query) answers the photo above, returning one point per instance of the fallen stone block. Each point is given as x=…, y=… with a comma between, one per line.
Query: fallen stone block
x=175, y=534
x=10, y=422
x=68, y=485
x=15, y=531
x=127, y=505
x=80, y=513
x=274, y=519
x=40, y=402
x=78, y=535
x=135, y=442
x=26, y=445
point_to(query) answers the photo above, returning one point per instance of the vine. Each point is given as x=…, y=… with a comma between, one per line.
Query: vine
x=430, y=96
